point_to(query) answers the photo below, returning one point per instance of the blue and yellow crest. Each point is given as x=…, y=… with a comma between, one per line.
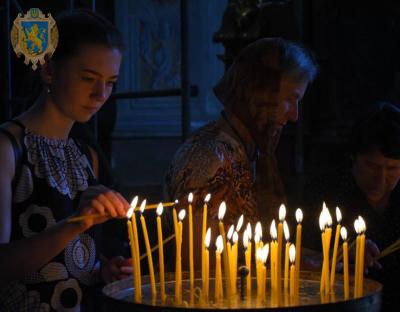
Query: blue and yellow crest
x=34, y=36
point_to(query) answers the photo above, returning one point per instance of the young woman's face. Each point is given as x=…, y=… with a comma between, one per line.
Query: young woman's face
x=375, y=174
x=83, y=83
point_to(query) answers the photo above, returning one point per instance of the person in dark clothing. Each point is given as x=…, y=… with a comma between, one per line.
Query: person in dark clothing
x=366, y=184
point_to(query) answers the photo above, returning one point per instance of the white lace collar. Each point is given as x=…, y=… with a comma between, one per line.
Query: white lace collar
x=59, y=162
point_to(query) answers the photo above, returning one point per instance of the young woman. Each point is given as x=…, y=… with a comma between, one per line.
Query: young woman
x=48, y=263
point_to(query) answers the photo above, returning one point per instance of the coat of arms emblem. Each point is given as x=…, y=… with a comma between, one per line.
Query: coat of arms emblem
x=34, y=36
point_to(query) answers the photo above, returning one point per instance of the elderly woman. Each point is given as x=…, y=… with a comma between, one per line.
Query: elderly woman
x=260, y=93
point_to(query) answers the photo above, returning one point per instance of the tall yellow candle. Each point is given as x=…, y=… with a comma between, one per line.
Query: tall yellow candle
x=218, y=273
x=206, y=266
x=257, y=238
x=221, y=214
x=343, y=233
x=178, y=265
x=259, y=273
x=282, y=216
x=328, y=234
x=203, y=234
x=264, y=257
x=322, y=225
x=362, y=250
x=357, y=264
x=292, y=256
x=159, y=212
x=148, y=250
x=234, y=255
x=135, y=249
x=299, y=219
x=247, y=247
x=133, y=253
x=286, y=272
x=335, y=249
x=191, y=262
x=274, y=258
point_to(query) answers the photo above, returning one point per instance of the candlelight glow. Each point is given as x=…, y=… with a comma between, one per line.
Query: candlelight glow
x=208, y=238
x=160, y=209
x=328, y=218
x=207, y=198
x=176, y=202
x=259, y=254
x=299, y=215
x=343, y=233
x=182, y=214
x=362, y=224
x=258, y=229
x=265, y=252
x=221, y=211
x=129, y=213
x=134, y=202
x=235, y=237
x=245, y=239
x=286, y=230
x=239, y=223
x=257, y=238
x=282, y=213
x=322, y=220
x=272, y=230
x=357, y=226
x=219, y=243
x=190, y=198
x=338, y=215
x=142, y=206
x=230, y=232
x=292, y=253
x=248, y=230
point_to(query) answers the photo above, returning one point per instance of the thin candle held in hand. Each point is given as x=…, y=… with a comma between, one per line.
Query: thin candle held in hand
x=136, y=250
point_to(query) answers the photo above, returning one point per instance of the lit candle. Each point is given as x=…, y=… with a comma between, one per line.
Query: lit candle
x=203, y=234
x=234, y=253
x=159, y=212
x=191, y=263
x=335, y=249
x=286, y=272
x=257, y=238
x=148, y=250
x=343, y=233
x=259, y=273
x=134, y=251
x=282, y=216
x=299, y=219
x=239, y=224
x=274, y=256
x=265, y=251
x=248, y=257
x=221, y=214
x=229, y=252
x=357, y=264
x=322, y=225
x=362, y=226
x=206, y=265
x=175, y=219
x=328, y=231
x=292, y=256
x=178, y=266
x=218, y=273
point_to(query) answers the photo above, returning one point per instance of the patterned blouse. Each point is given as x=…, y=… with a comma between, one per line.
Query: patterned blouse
x=217, y=160
x=51, y=175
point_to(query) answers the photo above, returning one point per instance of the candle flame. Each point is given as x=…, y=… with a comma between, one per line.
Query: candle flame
x=129, y=213
x=142, y=206
x=282, y=213
x=176, y=202
x=272, y=230
x=338, y=215
x=299, y=215
x=328, y=218
x=292, y=253
x=245, y=239
x=362, y=224
x=286, y=230
x=207, y=198
x=235, y=237
x=343, y=233
x=190, y=198
x=221, y=211
x=219, y=243
x=134, y=202
x=322, y=220
x=239, y=223
x=259, y=254
x=357, y=226
x=207, y=239
x=257, y=238
x=182, y=214
x=230, y=232
x=160, y=209
x=258, y=229
x=248, y=230
x=265, y=252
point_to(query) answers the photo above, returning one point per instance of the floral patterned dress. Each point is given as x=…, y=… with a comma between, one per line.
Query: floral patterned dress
x=50, y=176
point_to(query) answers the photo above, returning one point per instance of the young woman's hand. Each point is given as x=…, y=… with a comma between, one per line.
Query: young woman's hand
x=115, y=269
x=103, y=201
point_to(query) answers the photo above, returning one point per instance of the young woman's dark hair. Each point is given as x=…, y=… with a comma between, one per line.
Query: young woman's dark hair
x=380, y=130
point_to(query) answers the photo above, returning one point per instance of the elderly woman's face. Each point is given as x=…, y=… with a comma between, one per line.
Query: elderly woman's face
x=277, y=108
